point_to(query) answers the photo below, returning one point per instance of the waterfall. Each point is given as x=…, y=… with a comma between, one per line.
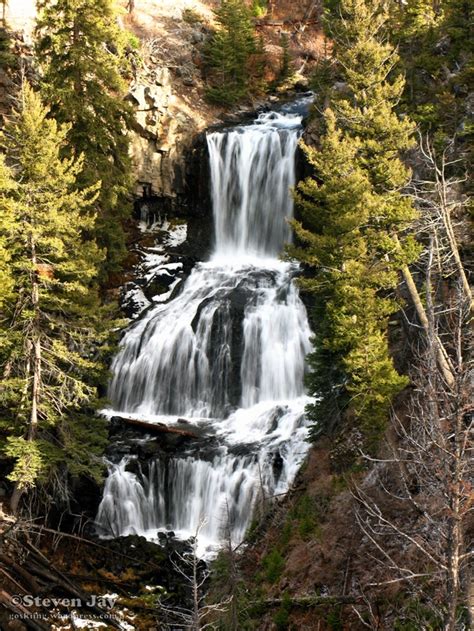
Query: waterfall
x=227, y=354
x=252, y=169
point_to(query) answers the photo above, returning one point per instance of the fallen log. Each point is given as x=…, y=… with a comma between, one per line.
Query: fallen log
x=158, y=428
x=21, y=572
x=41, y=566
x=307, y=601
x=21, y=613
x=264, y=23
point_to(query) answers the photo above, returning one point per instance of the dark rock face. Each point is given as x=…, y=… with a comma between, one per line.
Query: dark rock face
x=132, y=300
x=86, y=495
x=199, y=204
x=127, y=440
x=193, y=203
x=149, y=563
x=162, y=282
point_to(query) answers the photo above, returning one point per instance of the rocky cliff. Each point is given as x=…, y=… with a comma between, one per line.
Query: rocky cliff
x=167, y=92
x=168, y=85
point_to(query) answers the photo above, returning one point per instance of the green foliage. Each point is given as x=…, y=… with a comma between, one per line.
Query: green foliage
x=221, y=567
x=282, y=615
x=81, y=50
x=29, y=461
x=273, y=564
x=417, y=615
x=53, y=330
x=353, y=222
x=259, y=8
x=7, y=57
x=191, y=16
x=286, y=534
x=308, y=512
x=334, y=619
x=286, y=71
x=436, y=50
x=232, y=54
x=339, y=484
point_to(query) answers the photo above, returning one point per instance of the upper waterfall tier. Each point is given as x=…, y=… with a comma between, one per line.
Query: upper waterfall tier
x=252, y=171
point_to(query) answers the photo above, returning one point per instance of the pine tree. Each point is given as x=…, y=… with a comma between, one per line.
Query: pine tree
x=435, y=45
x=455, y=74
x=458, y=26
x=285, y=64
x=353, y=221
x=52, y=325
x=7, y=185
x=230, y=53
x=81, y=49
x=415, y=24
x=350, y=363
x=365, y=107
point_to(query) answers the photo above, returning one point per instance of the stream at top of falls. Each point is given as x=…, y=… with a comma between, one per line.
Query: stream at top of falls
x=227, y=354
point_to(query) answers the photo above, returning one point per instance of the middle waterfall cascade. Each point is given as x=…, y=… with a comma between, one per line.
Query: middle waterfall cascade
x=227, y=354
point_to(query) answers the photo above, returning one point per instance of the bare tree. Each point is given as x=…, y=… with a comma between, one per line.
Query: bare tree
x=416, y=506
x=436, y=193
x=195, y=573
x=418, y=514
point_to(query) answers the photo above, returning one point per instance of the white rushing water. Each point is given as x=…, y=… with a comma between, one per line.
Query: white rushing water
x=227, y=354
x=252, y=169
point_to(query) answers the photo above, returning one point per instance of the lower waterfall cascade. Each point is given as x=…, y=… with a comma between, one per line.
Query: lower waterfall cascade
x=227, y=355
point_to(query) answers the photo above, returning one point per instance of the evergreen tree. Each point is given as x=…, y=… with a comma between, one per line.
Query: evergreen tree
x=52, y=324
x=7, y=185
x=455, y=72
x=81, y=50
x=366, y=106
x=259, y=8
x=286, y=70
x=435, y=44
x=457, y=24
x=7, y=58
x=230, y=53
x=353, y=218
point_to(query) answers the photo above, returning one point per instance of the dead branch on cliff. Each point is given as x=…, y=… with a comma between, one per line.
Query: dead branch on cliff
x=195, y=574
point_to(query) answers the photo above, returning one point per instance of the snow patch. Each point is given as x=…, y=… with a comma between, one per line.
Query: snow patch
x=177, y=236
x=86, y=623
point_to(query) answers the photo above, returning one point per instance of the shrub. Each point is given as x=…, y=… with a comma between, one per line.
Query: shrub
x=273, y=565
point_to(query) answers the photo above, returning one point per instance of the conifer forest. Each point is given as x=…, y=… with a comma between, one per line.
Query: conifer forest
x=236, y=380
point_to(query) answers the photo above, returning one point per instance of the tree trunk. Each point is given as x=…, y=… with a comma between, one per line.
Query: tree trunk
x=34, y=367
x=158, y=428
x=441, y=354
x=448, y=225
x=196, y=617
x=455, y=532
